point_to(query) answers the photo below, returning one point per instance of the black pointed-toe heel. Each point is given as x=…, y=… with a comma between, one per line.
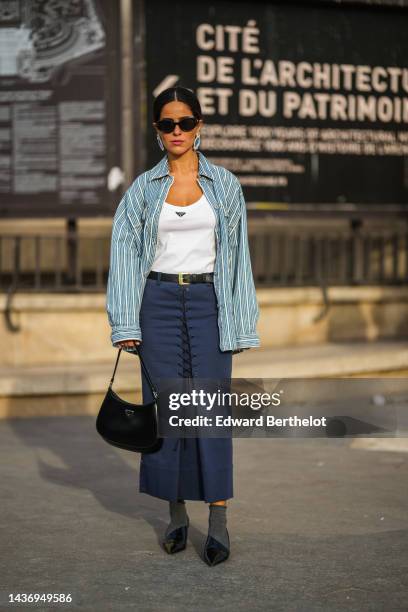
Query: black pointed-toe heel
x=215, y=552
x=176, y=540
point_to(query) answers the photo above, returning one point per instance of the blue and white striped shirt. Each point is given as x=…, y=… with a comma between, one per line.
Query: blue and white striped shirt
x=133, y=248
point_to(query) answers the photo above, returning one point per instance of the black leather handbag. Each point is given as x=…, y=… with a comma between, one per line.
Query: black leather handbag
x=132, y=427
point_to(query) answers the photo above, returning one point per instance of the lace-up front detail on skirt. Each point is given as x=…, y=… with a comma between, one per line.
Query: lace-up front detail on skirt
x=180, y=339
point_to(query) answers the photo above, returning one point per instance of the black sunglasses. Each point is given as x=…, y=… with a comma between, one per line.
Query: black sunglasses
x=186, y=124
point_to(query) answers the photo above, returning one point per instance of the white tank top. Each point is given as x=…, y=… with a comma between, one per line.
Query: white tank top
x=186, y=238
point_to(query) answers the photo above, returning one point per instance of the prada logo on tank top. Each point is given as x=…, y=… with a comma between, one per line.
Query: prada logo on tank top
x=180, y=214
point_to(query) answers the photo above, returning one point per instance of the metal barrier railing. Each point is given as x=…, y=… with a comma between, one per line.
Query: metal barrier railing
x=62, y=263
x=287, y=258
x=281, y=257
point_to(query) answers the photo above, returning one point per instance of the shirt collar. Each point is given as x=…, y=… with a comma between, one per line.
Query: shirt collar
x=162, y=168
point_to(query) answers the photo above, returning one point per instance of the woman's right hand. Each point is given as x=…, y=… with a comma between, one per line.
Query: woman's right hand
x=127, y=343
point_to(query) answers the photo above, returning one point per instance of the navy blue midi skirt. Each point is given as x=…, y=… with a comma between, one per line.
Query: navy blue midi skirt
x=180, y=338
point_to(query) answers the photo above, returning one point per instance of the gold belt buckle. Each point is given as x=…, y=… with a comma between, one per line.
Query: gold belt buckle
x=180, y=279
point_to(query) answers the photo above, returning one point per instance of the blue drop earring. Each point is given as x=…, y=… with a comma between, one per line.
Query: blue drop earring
x=196, y=142
x=159, y=140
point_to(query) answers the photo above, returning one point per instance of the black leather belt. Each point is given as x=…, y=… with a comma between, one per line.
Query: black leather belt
x=183, y=278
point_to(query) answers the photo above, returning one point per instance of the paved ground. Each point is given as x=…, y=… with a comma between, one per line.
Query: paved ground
x=315, y=525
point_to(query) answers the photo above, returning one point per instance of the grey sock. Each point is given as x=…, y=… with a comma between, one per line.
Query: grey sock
x=218, y=524
x=178, y=516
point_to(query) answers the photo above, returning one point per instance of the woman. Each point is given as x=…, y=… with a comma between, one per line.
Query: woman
x=181, y=288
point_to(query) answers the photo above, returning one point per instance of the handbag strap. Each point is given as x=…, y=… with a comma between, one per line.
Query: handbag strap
x=149, y=380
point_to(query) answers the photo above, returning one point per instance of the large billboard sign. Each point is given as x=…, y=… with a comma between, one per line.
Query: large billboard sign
x=307, y=105
x=56, y=98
